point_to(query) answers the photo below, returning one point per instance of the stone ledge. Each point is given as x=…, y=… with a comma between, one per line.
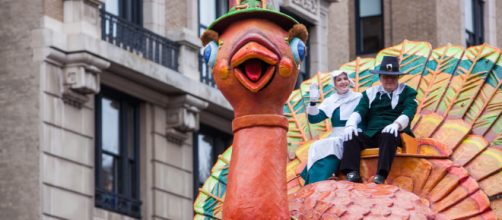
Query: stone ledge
x=131, y=66
x=185, y=37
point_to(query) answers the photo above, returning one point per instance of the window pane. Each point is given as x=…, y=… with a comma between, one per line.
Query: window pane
x=109, y=173
x=112, y=6
x=117, y=175
x=371, y=34
x=370, y=8
x=130, y=131
x=110, y=125
x=205, y=156
x=207, y=10
x=223, y=7
x=468, y=18
x=133, y=179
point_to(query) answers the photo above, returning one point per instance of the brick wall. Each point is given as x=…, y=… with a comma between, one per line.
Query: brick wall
x=19, y=104
x=338, y=36
x=412, y=20
x=54, y=9
x=450, y=23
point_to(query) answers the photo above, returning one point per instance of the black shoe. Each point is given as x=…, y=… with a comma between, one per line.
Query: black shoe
x=354, y=177
x=379, y=179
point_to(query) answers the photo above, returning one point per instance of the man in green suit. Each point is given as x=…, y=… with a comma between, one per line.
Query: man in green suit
x=386, y=111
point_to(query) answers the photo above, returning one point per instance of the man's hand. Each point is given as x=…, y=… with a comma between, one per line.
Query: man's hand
x=314, y=92
x=392, y=129
x=348, y=131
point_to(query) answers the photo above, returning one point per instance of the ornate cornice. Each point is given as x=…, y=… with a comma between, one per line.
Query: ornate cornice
x=183, y=117
x=81, y=72
x=307, y=9
x=311, y=6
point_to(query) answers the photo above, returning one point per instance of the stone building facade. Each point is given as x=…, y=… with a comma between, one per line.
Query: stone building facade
x=72, y=71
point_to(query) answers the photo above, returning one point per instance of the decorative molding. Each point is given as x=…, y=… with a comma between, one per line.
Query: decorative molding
x=81, y=72
x=311, y=6
x=183, y=117
x=307, y=9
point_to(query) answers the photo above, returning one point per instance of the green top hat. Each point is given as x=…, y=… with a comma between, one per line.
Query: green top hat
x=252, y=9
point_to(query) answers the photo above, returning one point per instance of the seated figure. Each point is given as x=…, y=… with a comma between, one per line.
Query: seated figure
x=324, y=155
x=387, y=110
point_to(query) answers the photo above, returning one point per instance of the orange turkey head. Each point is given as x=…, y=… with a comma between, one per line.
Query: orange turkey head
x=255, y=63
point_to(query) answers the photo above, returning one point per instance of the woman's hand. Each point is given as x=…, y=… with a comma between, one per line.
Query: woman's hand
x=314, y=92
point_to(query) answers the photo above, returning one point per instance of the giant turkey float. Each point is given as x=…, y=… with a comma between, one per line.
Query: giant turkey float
x=452, y=169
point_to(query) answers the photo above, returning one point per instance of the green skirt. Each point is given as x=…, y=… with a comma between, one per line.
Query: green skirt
x=321, y=169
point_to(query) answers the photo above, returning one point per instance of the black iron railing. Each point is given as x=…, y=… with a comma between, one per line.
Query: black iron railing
x=137, y=39
x=118, y=203
x=205, y=73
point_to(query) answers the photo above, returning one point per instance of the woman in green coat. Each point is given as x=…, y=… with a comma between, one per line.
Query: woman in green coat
x=324, y=155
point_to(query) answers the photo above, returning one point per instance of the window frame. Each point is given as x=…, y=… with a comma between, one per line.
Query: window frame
x=131, y=11
x=130, y=196
x=358, y=18
x=207, y=130
x=476, y=37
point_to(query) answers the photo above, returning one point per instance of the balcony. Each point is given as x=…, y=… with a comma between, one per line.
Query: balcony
x=136, y=39
x=118, y=203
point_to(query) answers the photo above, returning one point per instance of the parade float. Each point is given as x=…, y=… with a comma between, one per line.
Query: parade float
x=452, y=169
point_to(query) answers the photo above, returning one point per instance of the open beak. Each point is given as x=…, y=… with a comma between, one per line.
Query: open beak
x=254, y=65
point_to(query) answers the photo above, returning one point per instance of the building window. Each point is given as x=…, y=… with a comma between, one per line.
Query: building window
x=369, y=26
x=122, y=13
x=473, y=22
x=129, y=10
x=117, y=153
x=209, y=10
x=209, y=143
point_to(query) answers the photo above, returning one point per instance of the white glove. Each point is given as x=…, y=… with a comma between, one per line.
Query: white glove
x=351, y=126
x=403, y=121
x=348, y=131
x=392, y=129
x=314, y=92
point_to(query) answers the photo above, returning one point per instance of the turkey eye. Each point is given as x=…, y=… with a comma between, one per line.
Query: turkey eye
x=210, y=52
x=298, y=48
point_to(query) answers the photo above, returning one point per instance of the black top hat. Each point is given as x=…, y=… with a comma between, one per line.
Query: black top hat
x=389, y=66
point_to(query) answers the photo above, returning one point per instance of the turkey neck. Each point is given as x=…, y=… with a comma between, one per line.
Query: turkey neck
x=257, y=177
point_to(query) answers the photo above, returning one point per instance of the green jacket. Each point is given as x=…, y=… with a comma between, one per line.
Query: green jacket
x=335, y=118
x=379, y=113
